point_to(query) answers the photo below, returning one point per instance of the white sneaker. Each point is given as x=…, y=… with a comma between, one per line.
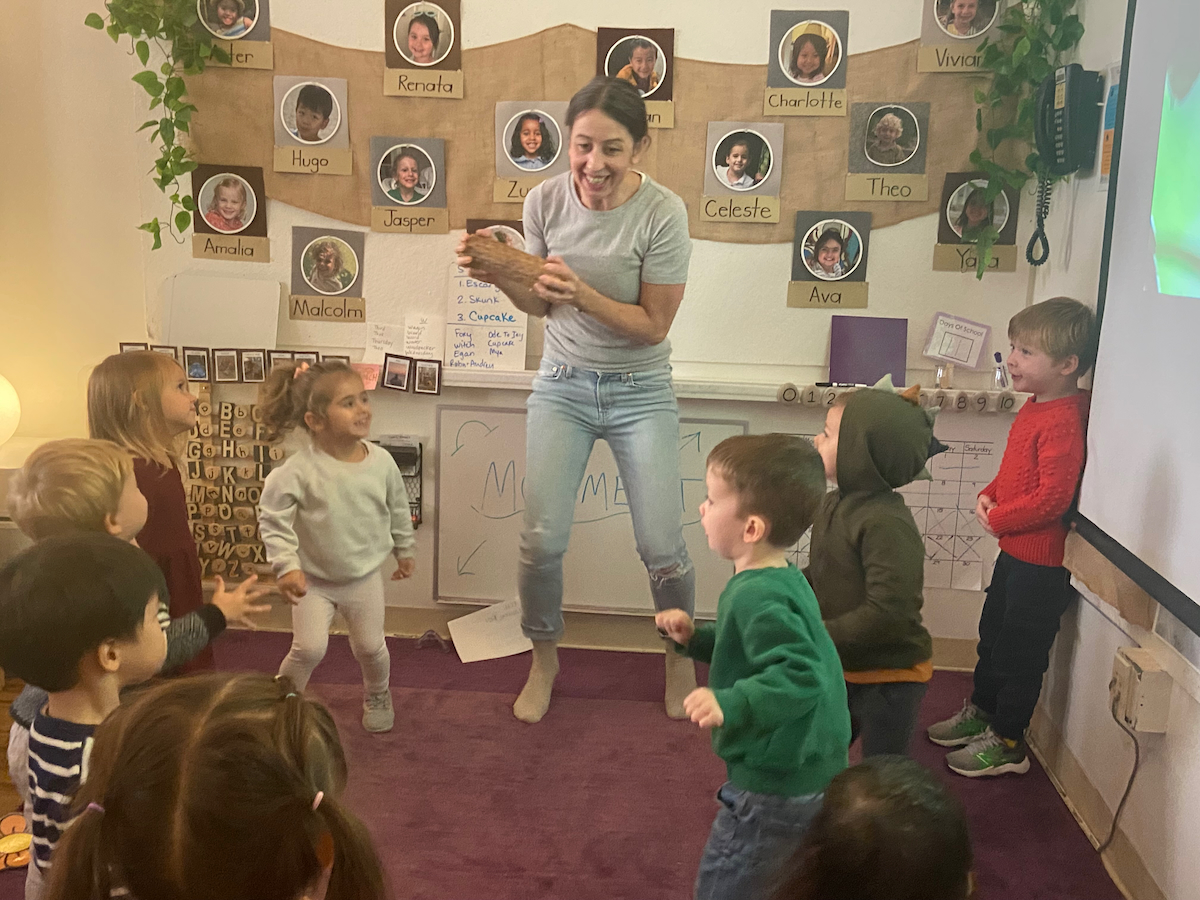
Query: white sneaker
x=378, y=715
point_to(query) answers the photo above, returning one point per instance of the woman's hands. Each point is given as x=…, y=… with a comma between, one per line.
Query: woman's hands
x=559, y=285
x=466, y=261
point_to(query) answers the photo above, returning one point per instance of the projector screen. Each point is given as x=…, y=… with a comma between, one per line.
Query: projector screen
x=1141, y=486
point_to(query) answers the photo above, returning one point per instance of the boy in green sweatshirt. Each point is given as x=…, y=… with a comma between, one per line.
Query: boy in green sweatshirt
x=776, y=701
x=868, y=560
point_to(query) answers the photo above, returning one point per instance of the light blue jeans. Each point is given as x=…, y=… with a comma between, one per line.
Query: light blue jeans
x=637, y=414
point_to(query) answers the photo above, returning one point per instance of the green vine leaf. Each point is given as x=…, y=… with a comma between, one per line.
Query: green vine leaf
x=94, y=21
x=143, y=52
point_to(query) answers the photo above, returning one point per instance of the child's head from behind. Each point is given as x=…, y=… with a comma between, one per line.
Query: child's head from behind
x=1053, y=341
x=219, y=785
x=228, y=199
x=761, y=487
x=887, y=830
x=75, y=485
x=140, y=400
x=326, y=399
x=808, y=56
x=78, y=607
x=314, y=106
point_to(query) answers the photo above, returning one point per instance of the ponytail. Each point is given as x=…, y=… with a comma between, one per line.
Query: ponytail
x=293, y=389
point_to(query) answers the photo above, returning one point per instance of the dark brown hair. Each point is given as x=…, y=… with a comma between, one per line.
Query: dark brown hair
x=777, y=476
x=617, y=99
x=887, y=830
x=290, y=391
x=204, y=788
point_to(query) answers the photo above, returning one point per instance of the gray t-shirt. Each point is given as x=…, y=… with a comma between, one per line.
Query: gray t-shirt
x=645, y=239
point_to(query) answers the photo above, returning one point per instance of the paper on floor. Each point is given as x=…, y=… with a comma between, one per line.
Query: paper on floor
x=490, y=633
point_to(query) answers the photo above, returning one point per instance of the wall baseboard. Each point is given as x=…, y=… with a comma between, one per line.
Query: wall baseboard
x=1122, y=861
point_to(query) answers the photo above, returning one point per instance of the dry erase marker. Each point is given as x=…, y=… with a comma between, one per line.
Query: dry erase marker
x=838, y=384
x=1001, y=377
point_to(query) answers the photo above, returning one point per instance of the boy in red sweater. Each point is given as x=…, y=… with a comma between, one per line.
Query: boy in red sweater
x=1053, y=344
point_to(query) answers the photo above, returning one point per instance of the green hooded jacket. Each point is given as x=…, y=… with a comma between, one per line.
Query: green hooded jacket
x=867, y=557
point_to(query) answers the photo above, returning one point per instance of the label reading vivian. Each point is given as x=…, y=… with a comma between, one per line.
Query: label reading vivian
x=742, y=210
x=949, y=59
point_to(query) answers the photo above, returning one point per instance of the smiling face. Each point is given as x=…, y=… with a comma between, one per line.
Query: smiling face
x=329, y=262
x=808, y=61
x=737, y=160
x=1034, y=371
x=642, y=61
x=531, y=137
x=407, y=174
x=963, y=13
x=887, y=134
x=420, y=44
x=602, y=154
x=349, y=412
x=976, y=211
x=227, y=13
x=828, y=255
x=309, y=123
x=230, y=204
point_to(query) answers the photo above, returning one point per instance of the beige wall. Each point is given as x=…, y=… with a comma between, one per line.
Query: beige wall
x=70, y=181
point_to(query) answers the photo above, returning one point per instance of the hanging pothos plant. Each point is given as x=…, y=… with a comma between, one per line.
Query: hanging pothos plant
x=169, y=26
x=1036, y=35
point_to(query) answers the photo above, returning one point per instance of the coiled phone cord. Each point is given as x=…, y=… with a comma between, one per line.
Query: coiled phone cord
x=1037, y=240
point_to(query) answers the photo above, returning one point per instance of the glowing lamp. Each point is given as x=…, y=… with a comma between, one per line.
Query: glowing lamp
x=10, y=410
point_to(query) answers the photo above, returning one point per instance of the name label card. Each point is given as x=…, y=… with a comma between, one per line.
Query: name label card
x=948, y=59
x=246, y=54
x=440, y=84
x=804, y=102
x=827, y=295
x=963, y=258
x=315, y=161
x=327, y=309
x=913, y=188
x=231, y=247
x=660, y=113
x=758, y=210
x=513, y=190
x=413, y=220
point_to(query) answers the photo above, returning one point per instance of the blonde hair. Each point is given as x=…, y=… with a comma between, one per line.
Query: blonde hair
x=891, y=119
x=68, y=486
x=125, y=404
x=1060, y=327
x=229, y=182
x=291, y=391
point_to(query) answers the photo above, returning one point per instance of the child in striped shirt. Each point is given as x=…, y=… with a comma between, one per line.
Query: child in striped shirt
x=78, y=618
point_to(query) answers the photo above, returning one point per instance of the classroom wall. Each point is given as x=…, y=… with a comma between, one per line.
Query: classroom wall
x=1154, y=853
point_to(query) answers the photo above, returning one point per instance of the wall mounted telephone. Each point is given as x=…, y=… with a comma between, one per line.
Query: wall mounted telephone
x=1066, y=128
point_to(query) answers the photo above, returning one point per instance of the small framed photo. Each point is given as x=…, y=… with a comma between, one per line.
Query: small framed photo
x=253, y=365
x=278, y=358
x=397, y=372
x=307, y=356
x=428, y=376
x=172, y=352
x=225, y=366
x=195, y=363
x=325, y=357
x=131, y=346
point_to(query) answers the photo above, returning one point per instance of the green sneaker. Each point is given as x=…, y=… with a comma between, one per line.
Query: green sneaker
x=989, y=756
x=965, y=726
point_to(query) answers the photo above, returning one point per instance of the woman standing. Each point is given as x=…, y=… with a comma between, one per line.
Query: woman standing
x=617, y=250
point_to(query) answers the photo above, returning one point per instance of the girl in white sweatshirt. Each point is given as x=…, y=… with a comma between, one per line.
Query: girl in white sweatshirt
x=330, y=517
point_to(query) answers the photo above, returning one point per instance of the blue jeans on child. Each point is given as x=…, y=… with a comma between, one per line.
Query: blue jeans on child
x=636, y=413
x=753, y=839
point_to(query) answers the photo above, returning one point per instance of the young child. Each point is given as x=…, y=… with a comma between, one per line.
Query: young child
x=531, y=146
x=72, y=486
x=423, y=37
x=868, y=560
x=888, y=830
x=776, y=701
x=329, y=274
x=140, y=401
x=808, y=58
x=330, y=516
x=960, y=18
x=406, y=173
x=228, y=19
x=734, y=173
x=314, y=106
x=1053, y=344
x=79, y=619
x=217, y=786
x=227, y=206
x=639, y=71
x=826, y=261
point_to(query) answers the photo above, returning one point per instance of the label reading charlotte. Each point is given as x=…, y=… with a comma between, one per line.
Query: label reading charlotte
x=760, y=210
x=804, y=102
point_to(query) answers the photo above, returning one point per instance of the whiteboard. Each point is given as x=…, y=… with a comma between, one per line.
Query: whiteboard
x=480, y=478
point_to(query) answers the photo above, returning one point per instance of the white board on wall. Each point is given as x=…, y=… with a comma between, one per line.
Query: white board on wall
x=481, y=472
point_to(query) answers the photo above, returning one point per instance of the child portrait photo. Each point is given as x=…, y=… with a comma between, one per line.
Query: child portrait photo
x=742, y=160
x=892, y=136
x=961, y=19
x=230, y=20
x=808, y=49
x=330, y=265
x=888, y=137
x=422, y=35
x=830, y=246
x=310, y=112
x=408, y=172
x=966, y=210
x=638, y=59
x=227, y=200
x=529, y=138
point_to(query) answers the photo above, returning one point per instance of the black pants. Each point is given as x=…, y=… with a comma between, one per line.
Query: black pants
x=1020, y=619
x=885, y=715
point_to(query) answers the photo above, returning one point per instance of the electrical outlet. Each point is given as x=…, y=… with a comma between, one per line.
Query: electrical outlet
x=1140, y=690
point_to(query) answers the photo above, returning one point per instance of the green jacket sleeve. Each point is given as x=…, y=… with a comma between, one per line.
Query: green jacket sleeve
x=700, y=647
x=893, y=560
x=787, y=681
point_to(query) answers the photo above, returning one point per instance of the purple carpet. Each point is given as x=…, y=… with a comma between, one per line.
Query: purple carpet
x=606, y=797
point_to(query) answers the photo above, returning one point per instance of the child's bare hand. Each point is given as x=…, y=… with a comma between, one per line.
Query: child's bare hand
x=292, y=586
x=404, y=568
x=677, y=625
x=985, y=505
x=237, y=605
x=702, y=708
